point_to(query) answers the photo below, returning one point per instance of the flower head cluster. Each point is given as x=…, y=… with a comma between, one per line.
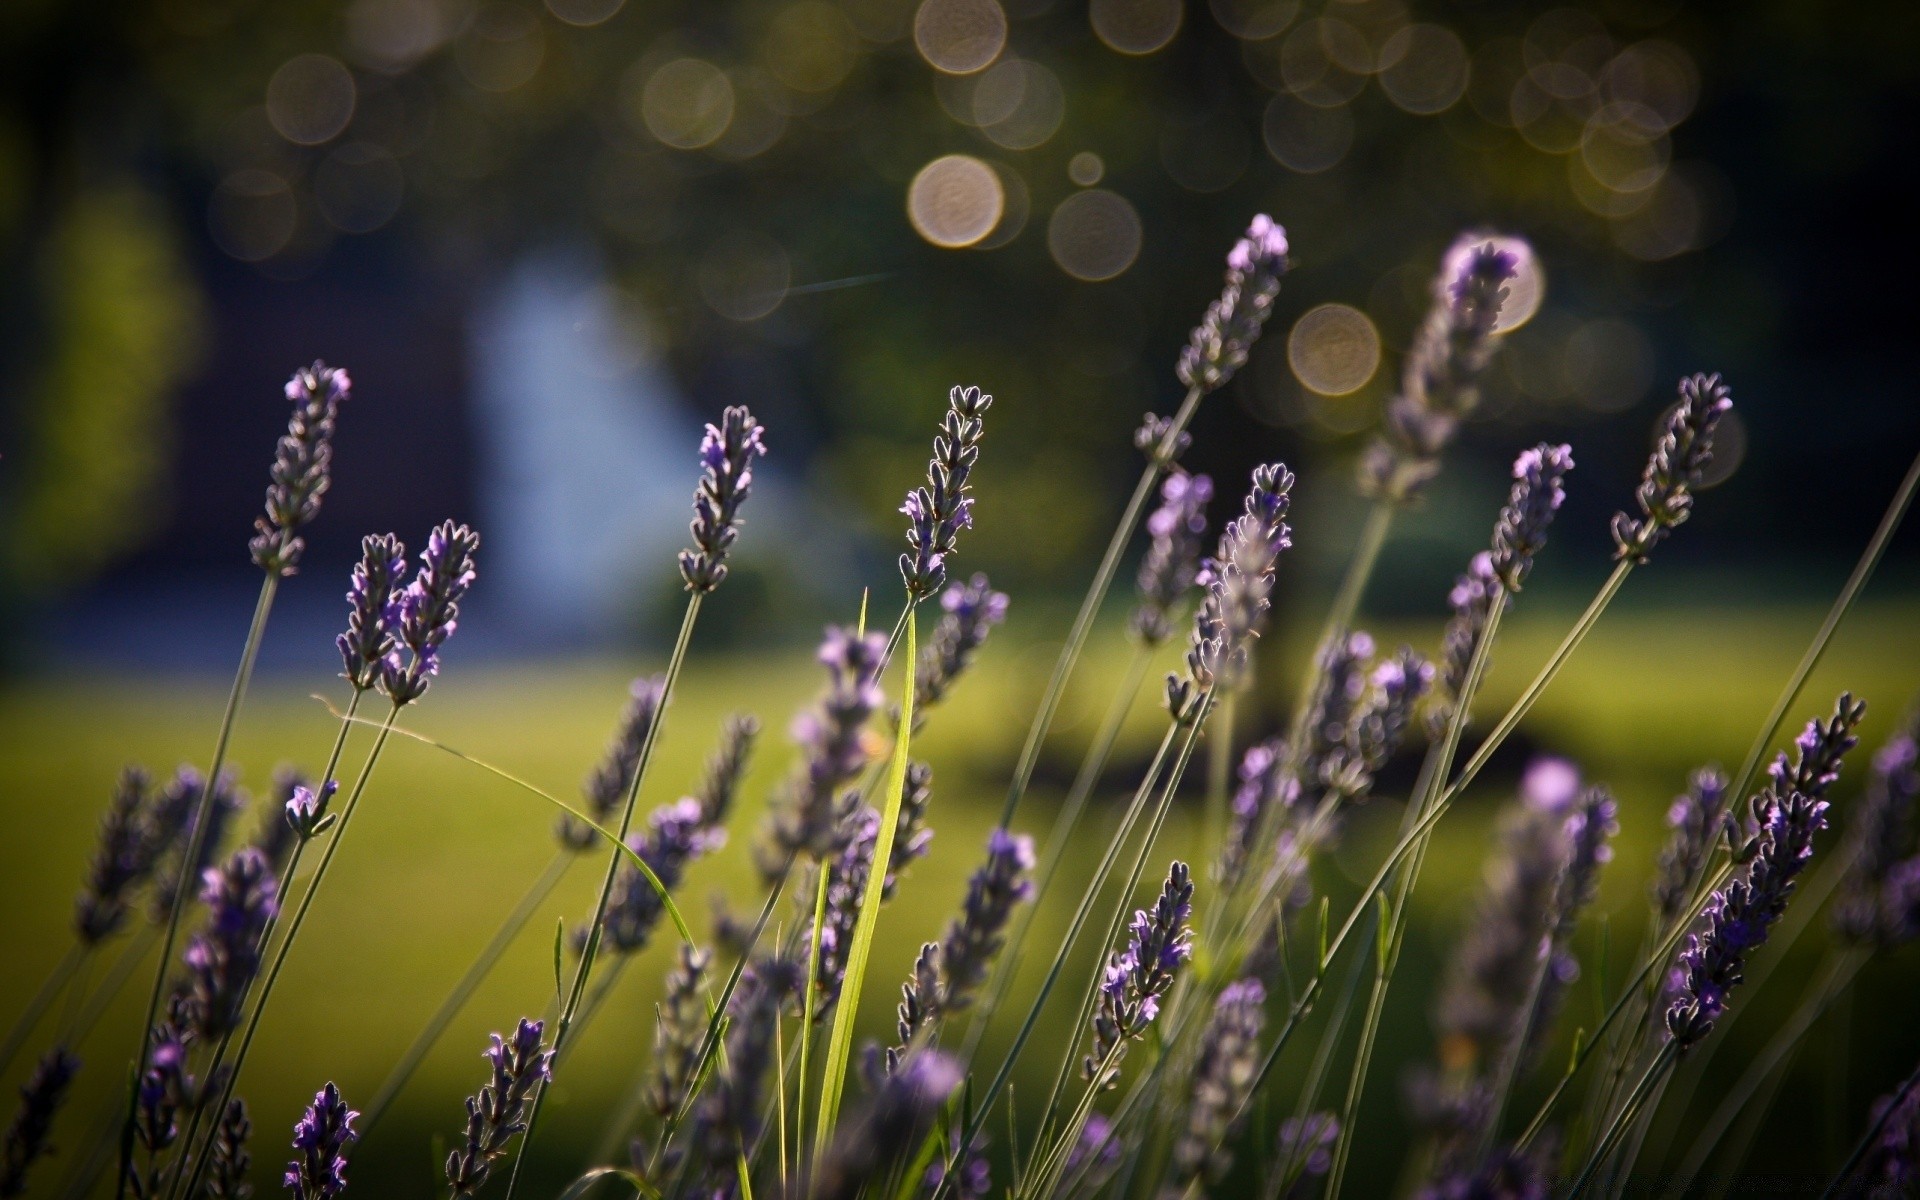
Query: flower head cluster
x=1506, y=1174
x=273, y=836
x=120, y=861
x=832, y=746
x=1239, y=590
x=948, y=972
x=730, y=1110
x=373, y=609
x=1892, y=1164
x=725, y=769
x=222, y=959
x=1875, y=905
x=1472, y=600
x=972, y=609
x=1395, y=689
x=302, y=467
x=912, y=836
x=498, y=1111
x=1178, y=530
x=429, y=612
x=1441, y=382
x=227, y=1159
x=1158, y=943
x=1676, y=467
x=321, y=1136
x=676, y=834
x=679, y=1034
x=1699, y=818
x=972, y=1179
x=1304, y=1146
x=847, y=874
x=1095, y=1154
x=1152, y=435
x=1222, y=1075
x=174, y=816
x=306, y=809
x=726, y=479
x=938, y=511
x=607, y=786
x=1262, y=782
x=1590, y=825
x=1219, y=345
x=164, y=1090
x=40, y=1098
x=891, y=1123
x=1521, y=531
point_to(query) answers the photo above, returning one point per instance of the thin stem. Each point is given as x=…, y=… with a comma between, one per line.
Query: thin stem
x=1861, y=1147
x=1160, y=459
x=809, y=1014
x=56, y=982
x=482, y=966
x=196, y=837
x=1625, y=1117
x=587, y=954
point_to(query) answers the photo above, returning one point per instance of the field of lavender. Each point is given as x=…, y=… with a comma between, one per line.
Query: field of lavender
x=1002, y=914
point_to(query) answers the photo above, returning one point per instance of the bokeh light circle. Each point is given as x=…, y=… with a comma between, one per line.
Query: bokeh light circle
x=955, y=201
x=585, y=13
x=1425, y=68
x=1094, y=235
x=960, y=36
x=1304, y=137
x=310, y=99
x=1334, y=349
x=1610, y=362
x=745, y=276
x=1525, y=291
x=1135, y=26
x=810, y=46
x=252, y=214
x=1019, y=104
x=501, y=49
x=1254, y=20
x=1086, y=168
x=687, y=103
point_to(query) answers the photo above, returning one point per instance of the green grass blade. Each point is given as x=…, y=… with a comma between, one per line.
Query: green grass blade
x=840, y=1042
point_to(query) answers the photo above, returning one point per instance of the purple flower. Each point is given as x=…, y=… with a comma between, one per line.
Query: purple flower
x=1395, y=689
x=306, y=810
x=1506, y=1174
x=1675, y=468
x=890, y=1124
x=1262, y=783
x=912, y=836
x=1222, y=1076
x=676, y=834
x=1239, y=589
x=227, y=1159
x=1698, y=818
x=972, y=1180
x=972, y=609
x=847, y=874
x=1219, y=345
x=726, y=479
x=498, y=1111
x=681, y=1032
x=606, y=787
x=430, y=611
x=1869, y=910
x=302, y=467
x=1441, y=381
x=730, y=1111
x=373, y=609
x=1096, y=1152
x=174, y=815
x=833, y=749
x=1521, y=531
x=1172, y=563
x=223, y=957
x=1152, y=433
x=1471, y=600
x=273, y=837
x=40, y=1099
x=120, y=861
x=1139, y=974
x=937, y=512
x=1892, y=1164
x=725, y=769
x=321, y=1135
x=164, y=1089
x=1590, y=824
x=1305, y=1146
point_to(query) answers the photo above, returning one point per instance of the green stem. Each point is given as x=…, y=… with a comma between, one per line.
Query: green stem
x=587, y=954
x=1624, y=1118
x=1090, y=606
x=806, y=1029
x=56, y=982
x=183, y=888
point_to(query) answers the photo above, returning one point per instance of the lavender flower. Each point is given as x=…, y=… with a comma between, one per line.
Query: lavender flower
x=321, y=1135
x=1507, y=1174
x=894, y=1120
x=307, y=812
x=973, y=1180
x=606, y=787
x=1262, y=783
x=119, y=863
x=40, y=1098
x=302, y=467
x=1137, y=976
x=1441, y=381
x=1305, y=1147
x=847, y=874
x=498, y=1111
x=1675, y=468
x=832, y=748
x=1329, y=729
x=1891, y=1167
x=680, y=1033
x=373, y=609
x=730, y=1111
x=222, y=958
x=972, y=610
x=1879, y=832
x=726, y=479
x=1521, y=531
x=1172, y=563
x=430, y=611
x=1588, y=830
x=725, y=768
x=1222, y=1075
x=912, y=836
x=937, y=512
x=1698, y=819
x=1152, y=433
x=676, y=834
x=175, y=815
x=273, y=836
x=1219, y=345
x=1239, y=587
x=228, y=1160
x=1395, y=689
x=164, y=1090
x=1472, y=601
x=1096, y=1152
x=947, y=973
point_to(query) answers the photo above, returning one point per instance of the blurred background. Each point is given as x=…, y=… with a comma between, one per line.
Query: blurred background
x=550, y=240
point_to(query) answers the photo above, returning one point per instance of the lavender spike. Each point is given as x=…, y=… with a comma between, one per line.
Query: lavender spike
x=321, y=1135
x=896, y=1118
x=1219, y=345
x=1222, y=1076
x=726, y=480
x=1177, y=530
x=937, y=512
x=972, y=609
x=119, y=863
x=228, y=1157
x=223, y=958
x=1137, y=976
x=1239, y=589
x=1874, y=907
x=606, y=788
x=498, y=1111
x=40, y=1098
x=1675, y=468
x=679, y=1035
x=373, y=610
x=832, y=748
x=1521, y=531
x=430, y=611
x=302, y=468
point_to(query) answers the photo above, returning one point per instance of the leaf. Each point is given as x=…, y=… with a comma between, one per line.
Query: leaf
x=840, y=1043
x=559, y=955
x=1383, y=929
x=1320, y=964
x=1579, y=1043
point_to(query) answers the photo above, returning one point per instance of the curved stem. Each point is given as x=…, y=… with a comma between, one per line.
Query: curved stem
x=183, y=888
x=585, y=969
